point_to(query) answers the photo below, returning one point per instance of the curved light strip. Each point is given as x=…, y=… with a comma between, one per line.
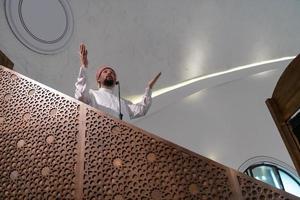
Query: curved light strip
x=188, y=82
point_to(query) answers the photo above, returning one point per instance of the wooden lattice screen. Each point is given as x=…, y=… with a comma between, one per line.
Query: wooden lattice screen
x=55, y=147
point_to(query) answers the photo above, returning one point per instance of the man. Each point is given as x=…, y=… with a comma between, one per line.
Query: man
x=103, y=98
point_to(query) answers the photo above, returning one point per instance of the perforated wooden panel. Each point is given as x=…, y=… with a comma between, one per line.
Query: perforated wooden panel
x=254, y=190
x=38, y=131
x=123, y=163
x=55, y=147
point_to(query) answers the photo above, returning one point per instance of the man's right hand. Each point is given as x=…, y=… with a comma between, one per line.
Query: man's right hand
x=83, y=55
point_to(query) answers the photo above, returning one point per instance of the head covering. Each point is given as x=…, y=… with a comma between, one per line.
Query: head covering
x=101, y=69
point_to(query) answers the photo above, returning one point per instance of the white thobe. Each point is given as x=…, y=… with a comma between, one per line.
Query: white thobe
x=105, y=100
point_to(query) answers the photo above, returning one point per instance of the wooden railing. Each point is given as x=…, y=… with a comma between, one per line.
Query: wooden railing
x=55, y=147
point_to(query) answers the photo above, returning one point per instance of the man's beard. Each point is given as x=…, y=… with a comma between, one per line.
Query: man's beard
x=108, y=82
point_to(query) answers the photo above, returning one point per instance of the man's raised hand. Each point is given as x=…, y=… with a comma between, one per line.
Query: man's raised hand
x=153, y=81
x=83, y=55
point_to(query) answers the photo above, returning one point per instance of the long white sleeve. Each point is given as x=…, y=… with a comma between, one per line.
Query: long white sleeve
x=140, y=109
x=81, y=86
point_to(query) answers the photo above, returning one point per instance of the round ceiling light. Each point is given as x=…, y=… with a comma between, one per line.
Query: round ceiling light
x=41, y=25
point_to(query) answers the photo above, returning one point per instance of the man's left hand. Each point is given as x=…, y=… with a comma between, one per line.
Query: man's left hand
x=153, y=81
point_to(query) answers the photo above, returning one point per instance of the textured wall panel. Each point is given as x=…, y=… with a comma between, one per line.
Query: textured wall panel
x=38, y=131
x=123, y=163
x=254, y=190
x=54, y=147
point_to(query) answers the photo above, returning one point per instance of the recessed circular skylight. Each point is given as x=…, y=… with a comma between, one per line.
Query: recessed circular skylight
x=41, y=25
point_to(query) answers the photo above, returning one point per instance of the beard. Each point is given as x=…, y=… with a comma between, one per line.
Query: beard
x=108, y=82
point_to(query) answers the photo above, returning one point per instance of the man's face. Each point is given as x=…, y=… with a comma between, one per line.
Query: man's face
x=107, y=78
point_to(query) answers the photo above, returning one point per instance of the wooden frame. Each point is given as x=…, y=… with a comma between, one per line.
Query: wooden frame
x=285, y=102
x=5, y=61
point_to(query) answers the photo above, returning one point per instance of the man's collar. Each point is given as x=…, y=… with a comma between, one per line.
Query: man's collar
x=106, y=90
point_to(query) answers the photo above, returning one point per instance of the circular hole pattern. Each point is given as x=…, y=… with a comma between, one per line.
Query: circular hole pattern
x=31, y=92
x=26, y=116
x=14, y=77
x=20, y=143
x=151, y=157
x=143, y=155
x=26, y=100
x=156, y=195
x=118, y=197
x=14, y=175
x=50, y=139
x=117, y=162
x=45, y=171
x=193, y=188
x=53, y=111
x=7, y=97
x=116, y=129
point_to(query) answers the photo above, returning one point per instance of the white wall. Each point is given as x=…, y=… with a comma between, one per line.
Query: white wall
x=225, y=123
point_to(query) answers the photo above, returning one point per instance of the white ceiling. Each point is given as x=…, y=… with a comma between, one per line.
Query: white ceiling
x=222, y=117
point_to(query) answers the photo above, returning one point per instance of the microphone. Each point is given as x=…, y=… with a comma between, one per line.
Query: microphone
x=119, y=96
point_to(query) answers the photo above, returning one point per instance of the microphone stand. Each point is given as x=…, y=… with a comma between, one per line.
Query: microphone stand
x=119, y=95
